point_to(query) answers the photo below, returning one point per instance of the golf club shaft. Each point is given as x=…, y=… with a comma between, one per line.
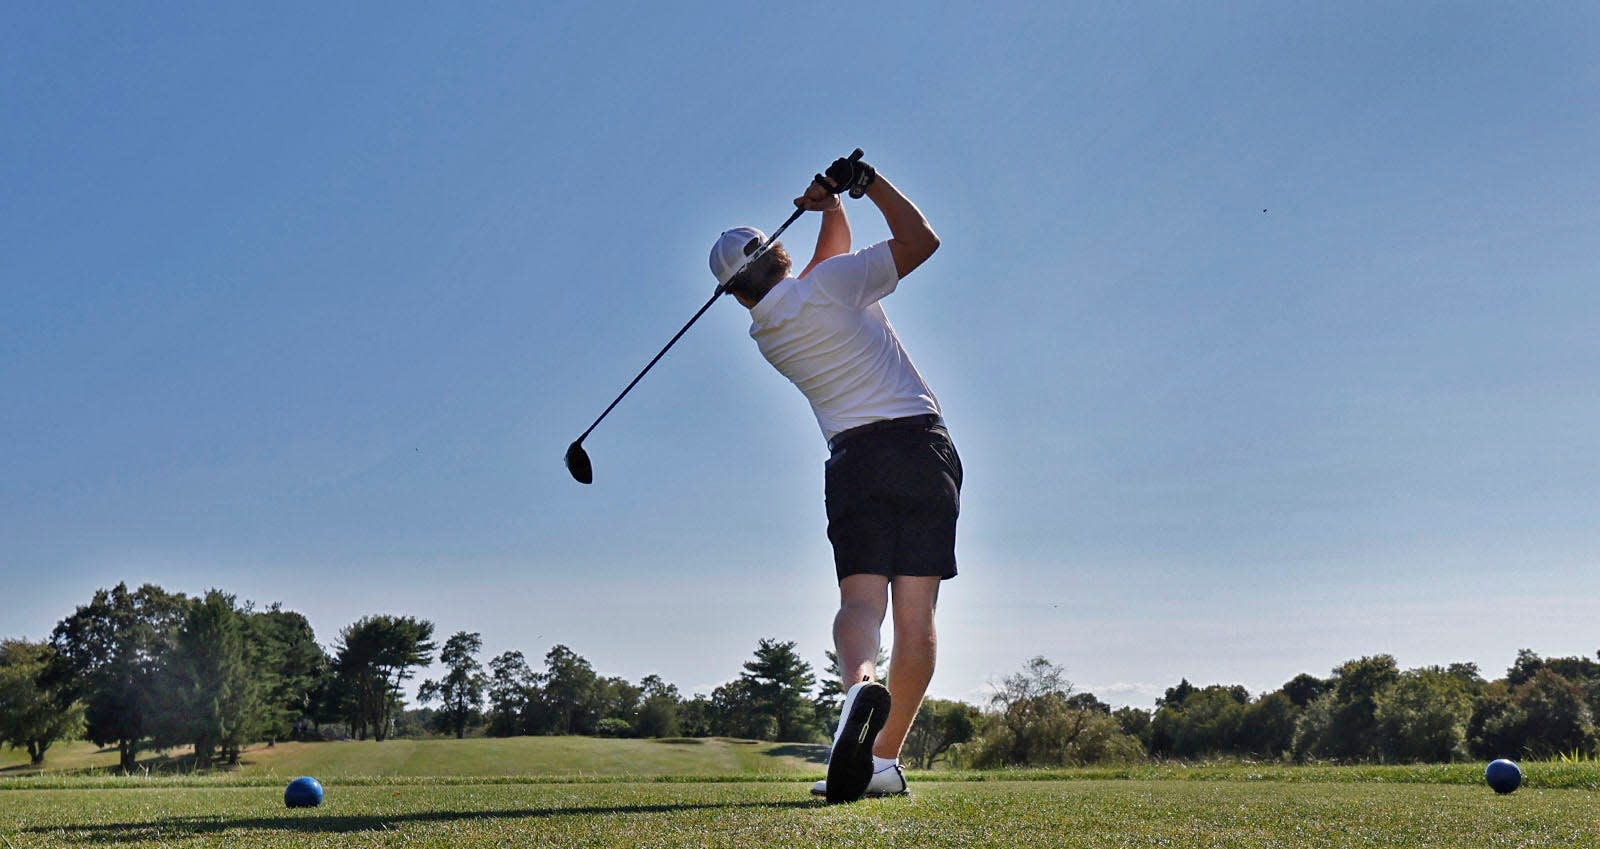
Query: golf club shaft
x=721, y=289
x=773, y=239
x=655, y=359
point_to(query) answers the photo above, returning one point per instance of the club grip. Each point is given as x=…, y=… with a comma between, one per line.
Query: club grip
x=855, y=156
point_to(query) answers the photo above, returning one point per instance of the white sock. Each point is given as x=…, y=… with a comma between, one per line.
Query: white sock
x=881, y=764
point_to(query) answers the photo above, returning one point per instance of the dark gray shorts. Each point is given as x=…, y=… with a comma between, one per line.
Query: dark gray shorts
x=893, y=497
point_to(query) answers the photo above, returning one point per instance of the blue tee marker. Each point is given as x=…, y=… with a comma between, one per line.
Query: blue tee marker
x=1503, y=775
x=303, y=792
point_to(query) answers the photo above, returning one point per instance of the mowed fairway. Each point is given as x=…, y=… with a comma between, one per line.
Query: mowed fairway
x=779, y=814
x=510, y=756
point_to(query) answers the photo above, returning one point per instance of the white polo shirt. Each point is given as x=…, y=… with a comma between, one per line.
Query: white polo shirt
x=829, y=336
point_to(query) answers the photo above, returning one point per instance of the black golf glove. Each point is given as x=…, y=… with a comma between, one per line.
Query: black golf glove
x=850, y=175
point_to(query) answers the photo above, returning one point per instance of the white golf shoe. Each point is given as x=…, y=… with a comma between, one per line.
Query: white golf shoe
x=866, y=708
x=890, y=781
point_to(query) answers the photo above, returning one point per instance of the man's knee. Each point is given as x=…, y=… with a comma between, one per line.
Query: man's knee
x=862, y=610
x=918, y=636
x=864, y=595
x=914, y=631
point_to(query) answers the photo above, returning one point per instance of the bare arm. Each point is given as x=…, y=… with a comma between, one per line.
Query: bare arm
x=911, y=240
x=834, y=236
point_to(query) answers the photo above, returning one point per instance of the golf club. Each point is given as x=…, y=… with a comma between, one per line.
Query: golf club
x=577, y=459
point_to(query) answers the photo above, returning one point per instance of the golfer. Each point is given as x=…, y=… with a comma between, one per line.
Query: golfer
x=893, y=478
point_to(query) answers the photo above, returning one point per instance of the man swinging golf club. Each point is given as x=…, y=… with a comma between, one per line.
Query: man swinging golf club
x=892, y=479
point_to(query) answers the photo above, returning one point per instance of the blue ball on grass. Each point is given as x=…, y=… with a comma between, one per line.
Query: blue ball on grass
x=1503, y=775
x=303, y=792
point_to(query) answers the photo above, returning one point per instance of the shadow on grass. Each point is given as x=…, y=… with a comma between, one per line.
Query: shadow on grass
x=814, y=753
x=312, y=823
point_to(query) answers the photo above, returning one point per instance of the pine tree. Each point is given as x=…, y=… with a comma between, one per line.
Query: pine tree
x=291, y=666
x=376, y=656
x=461, y=690
x=780, y=687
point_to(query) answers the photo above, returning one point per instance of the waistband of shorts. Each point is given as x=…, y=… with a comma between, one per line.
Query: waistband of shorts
x=924, y=420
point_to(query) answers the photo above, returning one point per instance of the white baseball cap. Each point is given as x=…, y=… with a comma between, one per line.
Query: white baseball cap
x=728, y=256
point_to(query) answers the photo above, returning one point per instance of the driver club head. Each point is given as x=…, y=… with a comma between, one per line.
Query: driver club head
x=578, y=463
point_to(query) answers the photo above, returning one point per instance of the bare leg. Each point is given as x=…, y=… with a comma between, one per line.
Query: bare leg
x=863, y=600
x=912, y=659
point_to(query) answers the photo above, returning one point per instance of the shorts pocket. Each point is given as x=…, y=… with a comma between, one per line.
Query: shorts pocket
x=946, y=452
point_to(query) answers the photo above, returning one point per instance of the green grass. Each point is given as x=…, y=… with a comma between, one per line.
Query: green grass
x=514, y=756
x=585, y=759
x=1085, y=813
x=563, y=792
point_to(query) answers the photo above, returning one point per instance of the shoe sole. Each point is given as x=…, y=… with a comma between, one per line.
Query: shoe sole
x=871, y=795
x=850, y=762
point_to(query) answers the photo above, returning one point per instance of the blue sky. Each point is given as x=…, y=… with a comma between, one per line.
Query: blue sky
x=1266, y=331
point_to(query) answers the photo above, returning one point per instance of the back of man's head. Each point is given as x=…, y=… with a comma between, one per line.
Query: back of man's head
x=730, y=254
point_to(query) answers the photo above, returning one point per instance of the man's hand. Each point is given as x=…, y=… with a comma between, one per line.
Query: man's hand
x=818, y=198
x=851, y=175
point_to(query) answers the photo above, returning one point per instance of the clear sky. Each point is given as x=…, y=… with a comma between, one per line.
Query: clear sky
x=1267, y=331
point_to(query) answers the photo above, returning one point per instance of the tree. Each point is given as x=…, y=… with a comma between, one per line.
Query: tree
x=658, y=709
x=1267, y=729
x=510, y=689
x=416, y=723
x=1031, y=723
x=210, y=694
x=34, y=712
x=1203, y=721
x=1101, y=741
x=1134, y=722
x=567, y=696
x=462, y=688
x=617, y=698
x=1557, y=715
x=940, y=724
x=291, y=666
x=1524, y=667
x=1423, y=716
x=1543, y=716
x=1342, y=724
x=1581, y=671
x=1486, y=728
x=376, y=656
x=697, y=717
x=780, y=688
x=1175, y=696
x=1468, y=674
x=108, y=653
x=1313, y=727
x=1303, y=689
x=1087, y=701
x=732, y=712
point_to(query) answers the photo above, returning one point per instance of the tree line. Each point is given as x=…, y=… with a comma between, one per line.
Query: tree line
x=1367, y=710
x=146, y=669
x=150, y=670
